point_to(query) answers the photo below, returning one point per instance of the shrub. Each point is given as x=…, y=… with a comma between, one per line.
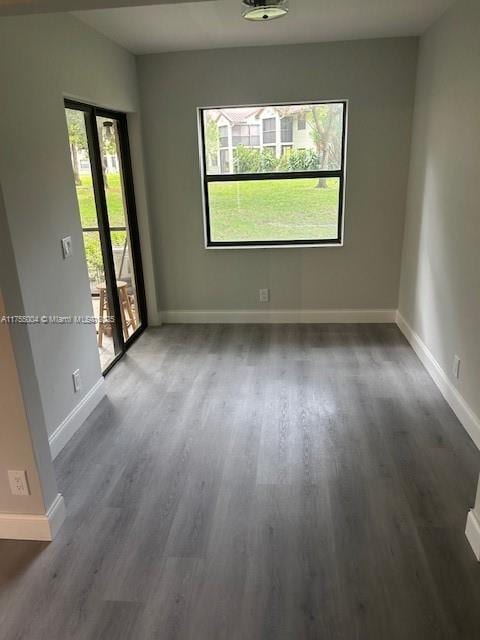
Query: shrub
x=246, y=160
x=268, y=161
x=93, y=254
x=302, y=160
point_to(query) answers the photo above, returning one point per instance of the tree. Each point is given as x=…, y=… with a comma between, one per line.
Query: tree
x=78, y=139
x=212, y=143
x=326, y=134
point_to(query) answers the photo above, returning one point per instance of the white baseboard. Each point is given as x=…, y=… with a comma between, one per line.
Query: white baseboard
x=155, y=319
x=279, y=316
x=76, y=418
x=473, y=533
x=457, y=402
x=23, y=526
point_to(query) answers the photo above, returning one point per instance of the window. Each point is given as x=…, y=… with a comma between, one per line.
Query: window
x=223, y=136
x=224, y=161
x=287, y=129
x=246, y=135
x=273, y=195
x=255, y=135
x=269, y=131
x=302, y=122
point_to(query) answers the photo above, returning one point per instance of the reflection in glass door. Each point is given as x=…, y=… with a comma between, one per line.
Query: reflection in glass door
x=102, y=172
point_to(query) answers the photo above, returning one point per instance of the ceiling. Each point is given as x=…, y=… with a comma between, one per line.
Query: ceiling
x=218, y=23
x=18, y=7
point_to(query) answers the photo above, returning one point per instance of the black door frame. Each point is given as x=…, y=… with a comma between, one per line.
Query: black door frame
x=91, y=112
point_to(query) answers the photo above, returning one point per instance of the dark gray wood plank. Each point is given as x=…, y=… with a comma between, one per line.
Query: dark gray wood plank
x=248, y=482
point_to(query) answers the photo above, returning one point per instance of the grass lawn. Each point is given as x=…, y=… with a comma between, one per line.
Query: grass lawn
x=88, y=216
x=257, y=210
x=86, y=202
x=273, y=210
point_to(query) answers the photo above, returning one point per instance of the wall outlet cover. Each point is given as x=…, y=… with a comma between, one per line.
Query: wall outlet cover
x=264, y=295
x=18, y=482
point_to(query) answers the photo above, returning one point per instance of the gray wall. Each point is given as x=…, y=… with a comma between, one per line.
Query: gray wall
x=43, y=59
x=378, y=78
x=23, y=434
x=440, y=284
x=16, y=451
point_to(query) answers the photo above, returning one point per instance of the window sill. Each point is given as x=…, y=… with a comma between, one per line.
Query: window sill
x=287, y=245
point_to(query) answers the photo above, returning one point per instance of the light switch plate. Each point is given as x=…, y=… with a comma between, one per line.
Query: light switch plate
x=67, y=247
x=77, y=380
x=456, y=366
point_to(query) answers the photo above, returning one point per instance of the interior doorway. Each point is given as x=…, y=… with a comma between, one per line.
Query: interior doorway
x=102, y=171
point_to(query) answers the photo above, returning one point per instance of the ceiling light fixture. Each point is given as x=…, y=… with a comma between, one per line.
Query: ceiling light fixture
x=263, y=10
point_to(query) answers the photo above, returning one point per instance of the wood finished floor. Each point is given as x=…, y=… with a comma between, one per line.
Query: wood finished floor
x=258, y=482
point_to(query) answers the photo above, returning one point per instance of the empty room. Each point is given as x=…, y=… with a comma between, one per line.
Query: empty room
x=239, y=320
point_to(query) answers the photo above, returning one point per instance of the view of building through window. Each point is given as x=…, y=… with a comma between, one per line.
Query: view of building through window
x=300, y=147
x=236, y=138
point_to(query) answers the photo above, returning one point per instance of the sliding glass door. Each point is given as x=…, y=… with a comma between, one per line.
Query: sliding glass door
x=103, y=177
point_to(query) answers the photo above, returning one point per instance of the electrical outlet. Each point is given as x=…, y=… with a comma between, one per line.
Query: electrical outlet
x=456, y=367
x=18, y=483
x=67, y=247
x=264, y=295
x=77, y=380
